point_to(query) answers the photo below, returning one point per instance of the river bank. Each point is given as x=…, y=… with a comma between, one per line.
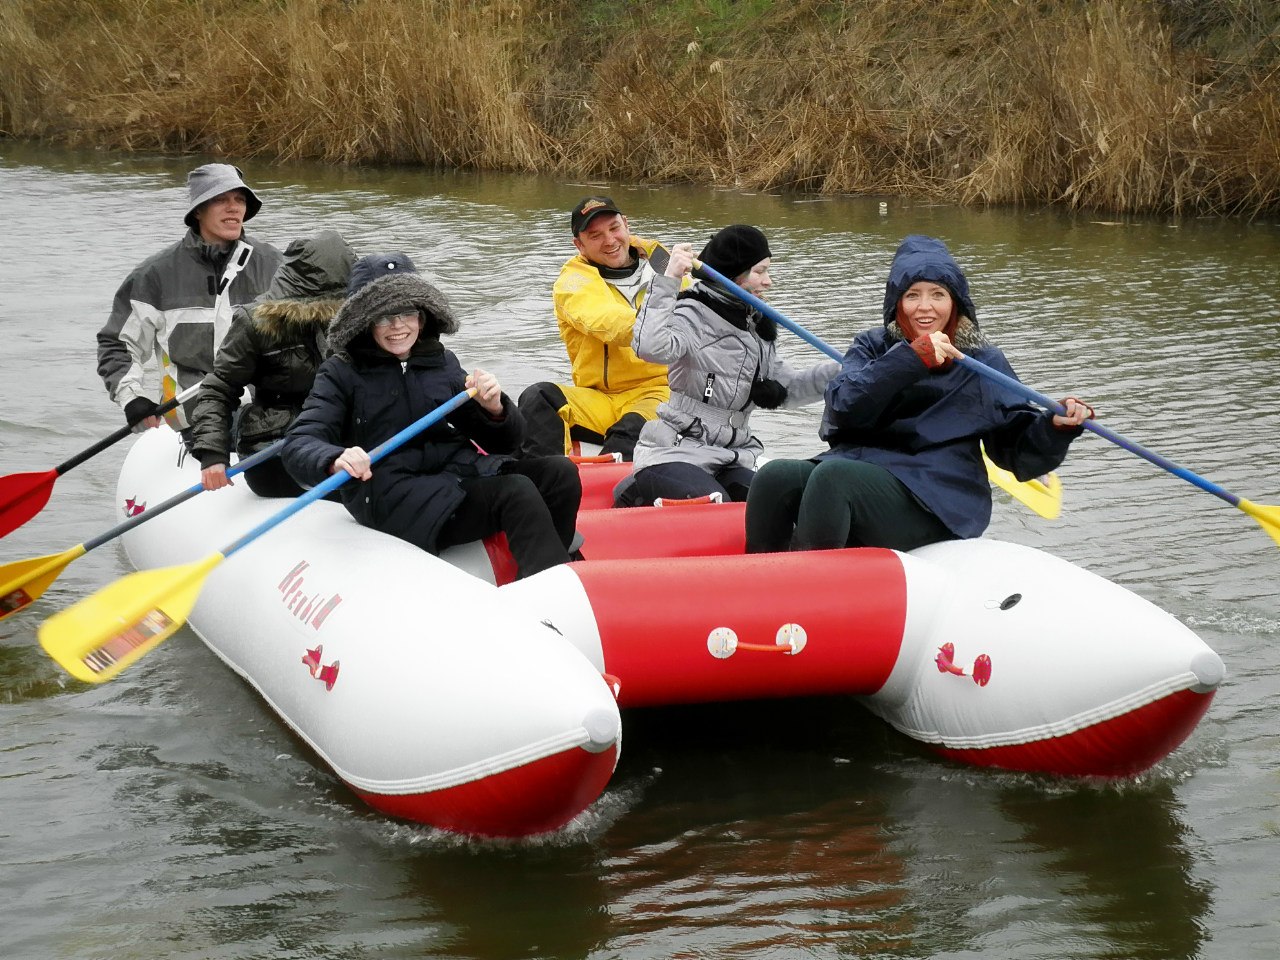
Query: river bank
x=1165, y=106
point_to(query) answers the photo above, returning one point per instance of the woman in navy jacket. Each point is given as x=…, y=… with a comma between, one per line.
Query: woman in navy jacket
x=389, y=369
x=905, y=426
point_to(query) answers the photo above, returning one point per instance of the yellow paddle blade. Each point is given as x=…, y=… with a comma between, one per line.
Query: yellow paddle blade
x=22, y=583
x=1042, y=494
x=1268, y=517
x=106, y=632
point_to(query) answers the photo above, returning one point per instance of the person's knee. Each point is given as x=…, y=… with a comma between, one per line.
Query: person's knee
x=561, y=475
x=828, y=475
x=779, y=478
x=542, y=394
x=541, y=405
x=623, y=436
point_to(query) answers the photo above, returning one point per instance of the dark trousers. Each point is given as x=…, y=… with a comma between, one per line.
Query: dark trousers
x=803, y=505
x=684, y=481
x=534, y=502
x=270, y=479
x=540, y=405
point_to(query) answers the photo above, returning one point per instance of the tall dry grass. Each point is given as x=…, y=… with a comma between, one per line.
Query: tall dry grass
x=1120, y=105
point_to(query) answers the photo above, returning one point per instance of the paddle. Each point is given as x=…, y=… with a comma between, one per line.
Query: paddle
x=1267, y=517
x=104, y=633
x=23, y=582
x=1042, y=495
x=23, y=495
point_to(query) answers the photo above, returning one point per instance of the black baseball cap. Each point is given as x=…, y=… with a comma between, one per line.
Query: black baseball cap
x=588, y=208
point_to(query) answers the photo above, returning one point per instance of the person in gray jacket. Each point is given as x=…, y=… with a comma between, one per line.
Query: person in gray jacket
x=176, y=305
x=723, y=363
x=275, y=346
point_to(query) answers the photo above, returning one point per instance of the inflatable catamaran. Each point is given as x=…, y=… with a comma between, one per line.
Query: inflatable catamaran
x=443, y=693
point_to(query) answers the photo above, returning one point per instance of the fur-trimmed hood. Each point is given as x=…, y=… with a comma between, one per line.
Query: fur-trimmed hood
x=967, y=339
x=309, y=286
x=276, y=318
x=386, y=297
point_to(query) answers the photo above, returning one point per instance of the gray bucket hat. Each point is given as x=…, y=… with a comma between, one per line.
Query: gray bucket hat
x=211, y=180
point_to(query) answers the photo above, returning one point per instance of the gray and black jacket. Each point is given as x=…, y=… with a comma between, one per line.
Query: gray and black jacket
x=170, y=307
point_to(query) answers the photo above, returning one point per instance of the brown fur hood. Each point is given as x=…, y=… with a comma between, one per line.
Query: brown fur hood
x=278, y=318
x=308, y=288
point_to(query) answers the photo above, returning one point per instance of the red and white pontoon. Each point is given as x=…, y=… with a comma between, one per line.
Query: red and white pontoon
x=442, y=693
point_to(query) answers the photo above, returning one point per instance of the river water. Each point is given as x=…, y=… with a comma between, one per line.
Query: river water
x=169, y=814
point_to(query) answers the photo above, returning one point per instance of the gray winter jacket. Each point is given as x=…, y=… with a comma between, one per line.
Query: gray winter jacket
x=714, y=354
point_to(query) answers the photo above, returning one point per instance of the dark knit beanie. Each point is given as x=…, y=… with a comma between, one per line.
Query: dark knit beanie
x=375, y=266
x=735, y=250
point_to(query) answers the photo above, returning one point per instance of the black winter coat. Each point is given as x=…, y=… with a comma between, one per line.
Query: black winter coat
x=363, y=398
x=274, y=346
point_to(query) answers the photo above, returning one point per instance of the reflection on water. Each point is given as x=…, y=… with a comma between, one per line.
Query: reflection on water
x=170, y=814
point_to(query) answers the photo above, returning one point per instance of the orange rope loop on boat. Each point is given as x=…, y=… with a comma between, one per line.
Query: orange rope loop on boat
x=691, y=502
x=791, y=638
x=945, y=660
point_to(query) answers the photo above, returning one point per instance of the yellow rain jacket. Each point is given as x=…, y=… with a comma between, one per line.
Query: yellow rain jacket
x=595, y=321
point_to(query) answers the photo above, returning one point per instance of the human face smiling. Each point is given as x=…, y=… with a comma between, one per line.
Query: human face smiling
x=606, y=240
x=397, y=334
x=927, y=307
x=221, y=220
x=757, y=279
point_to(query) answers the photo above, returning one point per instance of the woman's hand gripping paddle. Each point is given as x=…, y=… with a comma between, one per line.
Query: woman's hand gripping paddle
x=23, y=495
x=1267, y=517
x=24, y=581
x=106, y=632
x=1042, y=495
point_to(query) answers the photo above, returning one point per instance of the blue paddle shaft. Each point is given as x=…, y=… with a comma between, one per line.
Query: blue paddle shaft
x=977, y=366
x=334, y=481
x=768, y=311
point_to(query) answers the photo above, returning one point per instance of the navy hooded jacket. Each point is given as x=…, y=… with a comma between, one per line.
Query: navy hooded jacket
x=363, y=396
x=924, y=426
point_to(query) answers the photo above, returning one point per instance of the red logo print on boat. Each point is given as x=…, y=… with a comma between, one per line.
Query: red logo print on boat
x=326, y=675
x=310, y=608
x=132, y=507
x=946, y=661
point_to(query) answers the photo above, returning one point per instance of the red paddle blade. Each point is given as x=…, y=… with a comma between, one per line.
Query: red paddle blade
x=22, y=496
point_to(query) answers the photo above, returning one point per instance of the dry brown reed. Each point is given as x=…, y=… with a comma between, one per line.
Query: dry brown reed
x=1120, y=105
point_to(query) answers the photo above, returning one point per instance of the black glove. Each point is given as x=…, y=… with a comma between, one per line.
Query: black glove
x=139, y=408
x=769, y=394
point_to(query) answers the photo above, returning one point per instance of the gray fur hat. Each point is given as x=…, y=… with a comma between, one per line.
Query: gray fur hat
x=211, y=180
x=386, y=297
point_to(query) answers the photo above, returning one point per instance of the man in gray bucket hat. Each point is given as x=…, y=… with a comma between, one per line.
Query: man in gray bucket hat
x=177, y=304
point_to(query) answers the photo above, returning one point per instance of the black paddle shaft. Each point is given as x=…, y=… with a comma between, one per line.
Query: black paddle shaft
x=112, y=438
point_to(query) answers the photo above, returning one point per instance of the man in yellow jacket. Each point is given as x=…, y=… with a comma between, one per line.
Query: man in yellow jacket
x=596, y=298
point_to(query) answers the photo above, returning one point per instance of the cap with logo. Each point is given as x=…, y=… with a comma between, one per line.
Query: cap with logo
x=587, y=209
